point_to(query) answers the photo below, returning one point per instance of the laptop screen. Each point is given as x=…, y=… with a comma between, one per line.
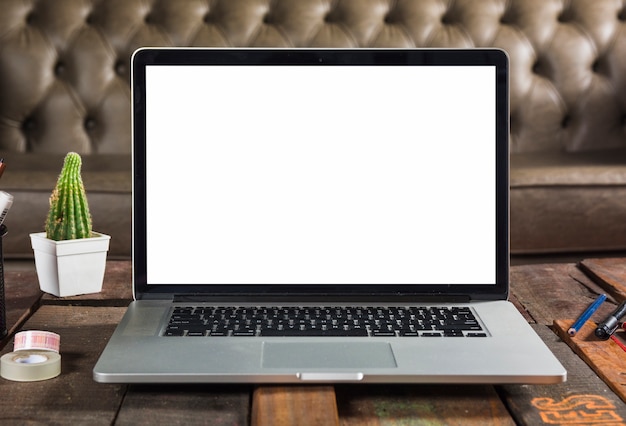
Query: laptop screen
x=345, y=171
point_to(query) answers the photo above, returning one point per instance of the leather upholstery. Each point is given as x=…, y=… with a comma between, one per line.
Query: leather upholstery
x=64, y=65
x=64, y=73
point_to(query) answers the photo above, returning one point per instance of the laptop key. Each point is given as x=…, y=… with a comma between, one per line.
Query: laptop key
x=323, y=321
x=313, y=333
x=455, y=327
x=476, y=334
x=383, y=333
x=453, y=333
x=248, y=333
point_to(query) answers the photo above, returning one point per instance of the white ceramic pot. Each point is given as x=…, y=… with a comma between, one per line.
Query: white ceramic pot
x=70, y=267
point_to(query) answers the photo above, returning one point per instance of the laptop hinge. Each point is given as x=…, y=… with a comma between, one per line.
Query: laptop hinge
x=317, y=299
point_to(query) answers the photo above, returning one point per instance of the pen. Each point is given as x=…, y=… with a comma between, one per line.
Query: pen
x=607, y=327
x=586, y=315
x=619, y=343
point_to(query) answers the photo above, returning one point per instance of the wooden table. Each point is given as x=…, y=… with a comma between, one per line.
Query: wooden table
x=544, y=293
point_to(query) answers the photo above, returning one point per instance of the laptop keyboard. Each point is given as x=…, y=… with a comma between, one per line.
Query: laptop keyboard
x=320, y=321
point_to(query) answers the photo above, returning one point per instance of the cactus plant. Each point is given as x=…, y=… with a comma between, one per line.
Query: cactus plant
x=69, y=257
x=69, y=217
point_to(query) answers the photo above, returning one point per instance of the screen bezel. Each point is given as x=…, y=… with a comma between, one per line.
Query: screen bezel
x=321, y=57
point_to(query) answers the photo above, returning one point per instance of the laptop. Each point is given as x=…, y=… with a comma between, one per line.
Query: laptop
x=308, y=216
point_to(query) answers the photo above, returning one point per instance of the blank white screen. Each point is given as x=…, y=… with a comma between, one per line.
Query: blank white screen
x=320, y=174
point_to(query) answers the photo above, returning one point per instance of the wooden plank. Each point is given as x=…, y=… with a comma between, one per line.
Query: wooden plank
x=606, y=357
x=294, y=405
x=554, y=291
x=610, y=274
x=73, y=397
x=22, y=296
x=377, y=405
x=116, y=289
x=185, y=405
x=583, y=399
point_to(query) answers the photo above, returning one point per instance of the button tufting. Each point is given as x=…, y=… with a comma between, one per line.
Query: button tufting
x=447, y=18
x=331, y=17
x=539, y=35
x=390, y=18
x=566, y=15
x=28, y=125
x=542, y=68
x=31, y=18
x=90, y=124
x=509, y=16
x=120, y=67
x=59, y=69
x=565, y=122
x=595, y=67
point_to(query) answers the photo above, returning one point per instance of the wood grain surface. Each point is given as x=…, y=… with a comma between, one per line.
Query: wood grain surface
x=73, y=397
x=294, y=405
x=584, y=399
x=610, y=274
x=378, y=405
x=22, y=297
x=606, y=357
x=553, y=291
x=541, y=292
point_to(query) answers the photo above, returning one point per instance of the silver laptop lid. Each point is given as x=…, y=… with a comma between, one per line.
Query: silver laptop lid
x=310, y=173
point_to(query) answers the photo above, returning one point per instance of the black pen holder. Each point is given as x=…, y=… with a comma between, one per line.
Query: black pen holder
x=3, y=312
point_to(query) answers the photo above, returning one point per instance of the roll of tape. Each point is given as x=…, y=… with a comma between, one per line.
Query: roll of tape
x=30, y=366
x=36, y=340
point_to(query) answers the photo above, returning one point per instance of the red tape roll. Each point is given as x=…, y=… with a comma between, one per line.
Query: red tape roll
x=36, y=340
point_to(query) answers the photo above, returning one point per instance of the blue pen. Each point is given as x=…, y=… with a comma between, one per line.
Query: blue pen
x=586, y=315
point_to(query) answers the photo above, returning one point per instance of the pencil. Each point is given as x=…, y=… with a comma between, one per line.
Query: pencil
x=586, y=315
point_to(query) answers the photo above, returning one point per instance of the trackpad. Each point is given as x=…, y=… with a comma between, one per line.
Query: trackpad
x=328, y=355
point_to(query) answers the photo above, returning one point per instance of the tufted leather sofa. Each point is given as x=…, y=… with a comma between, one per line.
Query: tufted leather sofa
x=64, y=85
